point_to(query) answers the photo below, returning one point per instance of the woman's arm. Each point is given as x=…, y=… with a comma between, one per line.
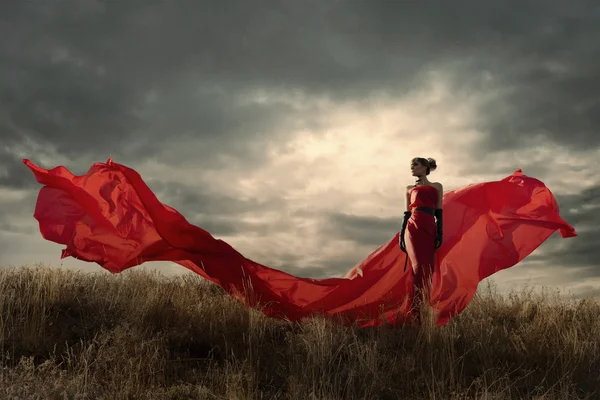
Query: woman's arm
x=406, y=217
x=440, y=190
x=439, y=223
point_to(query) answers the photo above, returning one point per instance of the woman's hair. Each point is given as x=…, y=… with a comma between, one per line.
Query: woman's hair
x=428, y=162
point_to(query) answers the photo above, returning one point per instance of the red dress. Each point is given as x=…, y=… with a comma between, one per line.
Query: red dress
x=111, y=217
x=421, y=229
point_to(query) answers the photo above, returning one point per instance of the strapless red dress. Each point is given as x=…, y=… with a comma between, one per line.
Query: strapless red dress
x=421, y=229
x=111, y=217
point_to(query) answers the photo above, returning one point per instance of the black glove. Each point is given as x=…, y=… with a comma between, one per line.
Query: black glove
x=440, y=228
x=404, y=223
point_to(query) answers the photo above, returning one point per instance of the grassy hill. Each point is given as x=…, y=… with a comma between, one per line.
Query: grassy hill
x=137, y=335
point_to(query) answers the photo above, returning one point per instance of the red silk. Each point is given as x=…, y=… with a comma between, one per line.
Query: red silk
x=420, y=228
x=109, y=216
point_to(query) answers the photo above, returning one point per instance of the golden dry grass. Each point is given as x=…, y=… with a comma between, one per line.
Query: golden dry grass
x=68, y=335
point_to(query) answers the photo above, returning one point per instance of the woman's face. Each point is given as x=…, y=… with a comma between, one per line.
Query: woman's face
x=417, y=169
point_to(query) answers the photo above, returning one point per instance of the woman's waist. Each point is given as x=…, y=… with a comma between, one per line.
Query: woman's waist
x=425, y=209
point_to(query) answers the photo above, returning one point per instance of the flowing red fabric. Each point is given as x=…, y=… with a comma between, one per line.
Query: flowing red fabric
x=420, y=228
x=111, y=217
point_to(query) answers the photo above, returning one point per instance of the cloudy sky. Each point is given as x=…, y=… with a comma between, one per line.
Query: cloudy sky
x=286, y=127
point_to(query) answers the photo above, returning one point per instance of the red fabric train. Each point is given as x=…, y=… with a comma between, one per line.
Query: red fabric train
x=111, y=217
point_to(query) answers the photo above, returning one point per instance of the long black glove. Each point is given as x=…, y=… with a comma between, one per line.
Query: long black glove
x=439, y=237
x=404, y=223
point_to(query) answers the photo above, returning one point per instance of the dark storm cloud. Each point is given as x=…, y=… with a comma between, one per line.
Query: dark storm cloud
x=364, y=230
x=202, y=200
x=581, y=211
x=536, y=62
x=13, y=218
x=12, y=173
x=217, y=213
x=99, y=78
x=546, y=84
x=134, y=79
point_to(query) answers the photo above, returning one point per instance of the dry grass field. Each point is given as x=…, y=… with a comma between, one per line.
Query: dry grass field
x=69, y=335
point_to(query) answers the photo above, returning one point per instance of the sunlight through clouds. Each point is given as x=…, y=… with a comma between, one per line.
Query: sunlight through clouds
x=357, y=164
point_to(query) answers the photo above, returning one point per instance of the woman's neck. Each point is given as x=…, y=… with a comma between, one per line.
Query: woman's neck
x=422, y=180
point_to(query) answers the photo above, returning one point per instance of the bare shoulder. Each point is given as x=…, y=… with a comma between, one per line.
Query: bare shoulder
x=437, y=185
x=409, y=188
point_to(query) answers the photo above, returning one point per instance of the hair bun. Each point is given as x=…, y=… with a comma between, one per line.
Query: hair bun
x=432, y=164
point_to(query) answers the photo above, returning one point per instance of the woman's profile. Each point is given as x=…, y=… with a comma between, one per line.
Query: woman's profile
x=422, y=228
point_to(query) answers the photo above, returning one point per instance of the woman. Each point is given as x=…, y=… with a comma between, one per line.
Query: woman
x=422, y=228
